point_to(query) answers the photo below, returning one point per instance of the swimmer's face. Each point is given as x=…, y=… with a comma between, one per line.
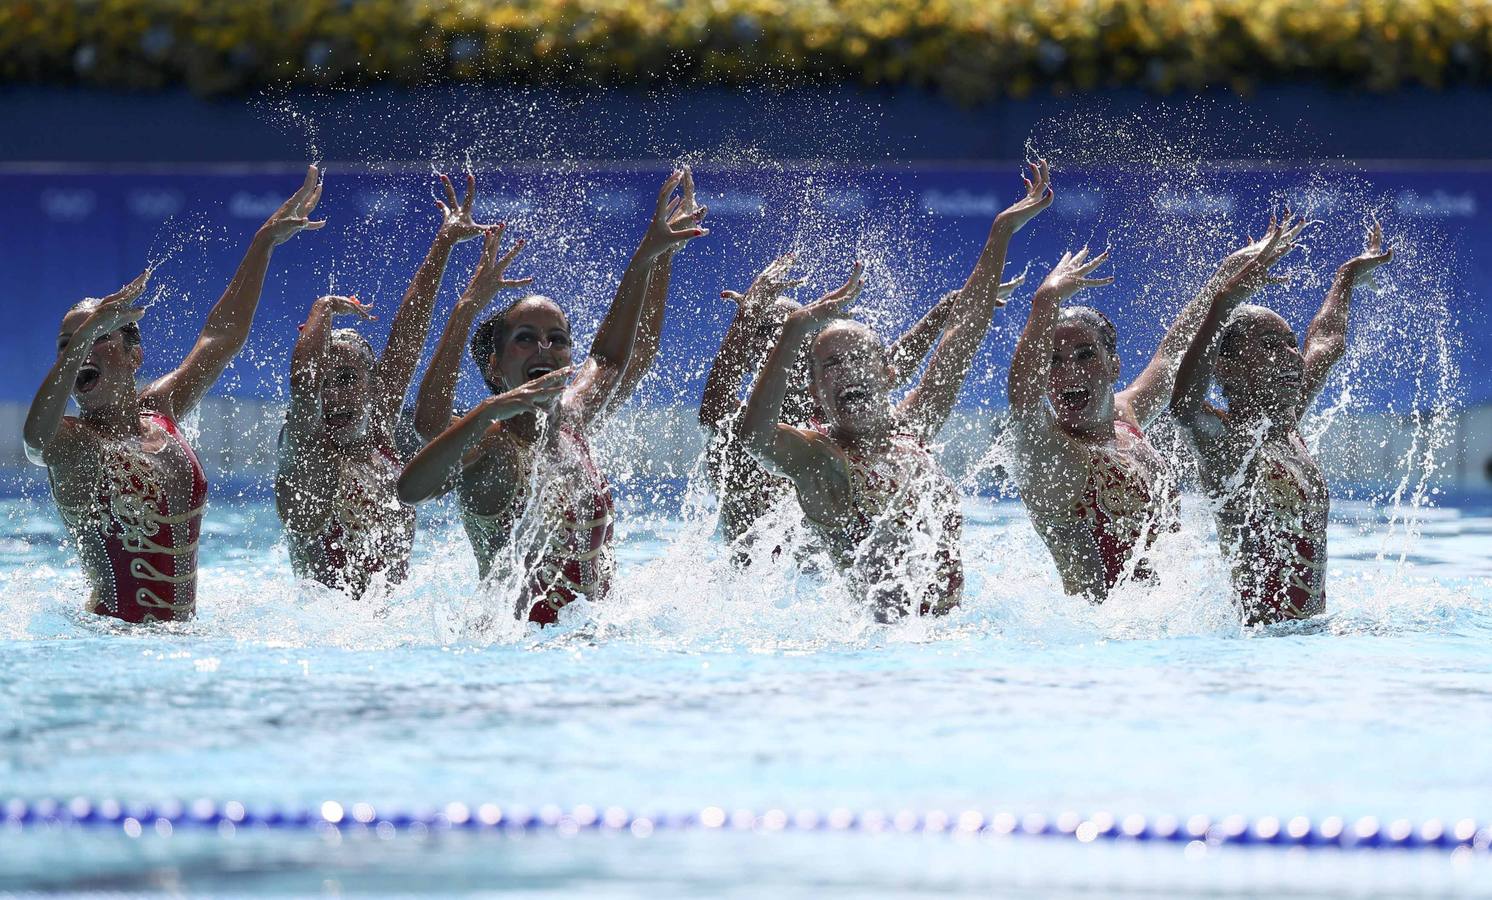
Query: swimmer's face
x=346, y=395
x=1081, y=386
x=536, y=343
x=851, y=378
x=108, y=374
x=1259, y=362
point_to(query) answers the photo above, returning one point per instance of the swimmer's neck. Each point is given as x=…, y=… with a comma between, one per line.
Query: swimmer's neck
x=1269, y=424
x=1100, y=431
x=119, y=419
x=527, y=427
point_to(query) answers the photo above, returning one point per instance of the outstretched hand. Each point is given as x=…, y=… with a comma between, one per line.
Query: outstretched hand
x=293, y=216
x=1261, y=255
x=456, y=224
x=1360, y=268
x=672, y=226
x=1038, y=197
x=349, y=306
x=763, y=299
x=686, y=213
x=118, y=309
x=1071, y=272
x=832, y=305
x=489, y=276
x=536, y=395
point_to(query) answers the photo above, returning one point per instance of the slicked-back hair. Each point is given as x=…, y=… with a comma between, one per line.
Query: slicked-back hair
x=490, y=334
x=349, y=337
x=1234, y=328
x=1087, y=315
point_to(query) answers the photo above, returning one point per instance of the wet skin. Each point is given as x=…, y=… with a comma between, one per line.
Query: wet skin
x=1274, y=496
x=108, y=375
x=1263, y=371
x=851, y=380
x=105, y=382
x=537, y=342
x=1082, y=380
x=1055, y=470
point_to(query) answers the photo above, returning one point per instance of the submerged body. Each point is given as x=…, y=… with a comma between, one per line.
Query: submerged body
x=536, y=508
x=1098, y=525
x=128, y=485
x=564, y=529
x=1270, y=498
x=1097, y=491
x=865, y=481
x=1271, y=523
x=366, y=531
x=338, y=470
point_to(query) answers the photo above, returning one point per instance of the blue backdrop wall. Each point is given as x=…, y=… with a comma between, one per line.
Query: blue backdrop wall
x=77, y=232
x=93, y=185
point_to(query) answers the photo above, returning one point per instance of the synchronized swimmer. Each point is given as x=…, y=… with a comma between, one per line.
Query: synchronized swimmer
x=818, y=434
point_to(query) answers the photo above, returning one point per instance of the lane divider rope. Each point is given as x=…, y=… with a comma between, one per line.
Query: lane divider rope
x=227, y=817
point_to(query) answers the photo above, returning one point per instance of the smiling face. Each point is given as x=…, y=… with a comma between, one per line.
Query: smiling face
x=534, y=342
x=1259, y=364
x=1084, y=370
x=347, y=390
x=851, y=378
x=108, y=374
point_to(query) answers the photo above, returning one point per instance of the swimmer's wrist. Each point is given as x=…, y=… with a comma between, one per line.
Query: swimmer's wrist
x=471, y=303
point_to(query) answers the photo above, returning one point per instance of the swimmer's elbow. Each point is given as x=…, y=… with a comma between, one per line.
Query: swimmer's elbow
x=1328, y=349
x=409, y=489
x=37, y=441
x=35, y=454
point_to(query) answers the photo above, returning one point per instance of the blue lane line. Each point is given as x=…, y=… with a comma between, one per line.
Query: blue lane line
x=227, y=817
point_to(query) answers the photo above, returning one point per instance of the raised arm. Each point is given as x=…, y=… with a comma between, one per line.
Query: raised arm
x=929, y=404
x=1148, y=395
x=759, y=316
x=435, y=402
x=797, y=453
x=411, y=323
x=654, y=305
x=429, y=473
x=178, y=392
x=907, y=352
x=44, y=421
x=1326, y=338
x=1194, y=375
x=592, y=391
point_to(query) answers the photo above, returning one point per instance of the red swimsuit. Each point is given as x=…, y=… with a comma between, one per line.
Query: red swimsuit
x=905, y=525
x=571, y=553
x=1281, y=550
x=1119, y=503
x=142, y=552
x=370, y=530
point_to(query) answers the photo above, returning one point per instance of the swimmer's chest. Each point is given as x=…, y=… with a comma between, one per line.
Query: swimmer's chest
x=152, y=465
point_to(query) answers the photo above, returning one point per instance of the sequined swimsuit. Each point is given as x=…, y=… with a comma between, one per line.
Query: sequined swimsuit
x=1275, y=528
x=571, y=553
x=140, y=552
x=904, y=525
x=1120, y=506
x=369, y=530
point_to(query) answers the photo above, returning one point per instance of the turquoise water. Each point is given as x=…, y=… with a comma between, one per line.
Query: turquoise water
x=698, y=687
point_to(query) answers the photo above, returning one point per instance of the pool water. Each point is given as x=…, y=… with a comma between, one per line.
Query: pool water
x=699, y=686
